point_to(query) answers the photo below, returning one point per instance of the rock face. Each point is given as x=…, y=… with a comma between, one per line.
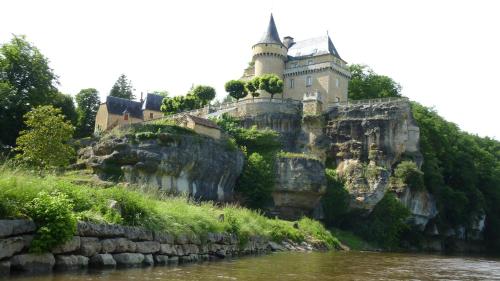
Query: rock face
x=421, y=204
x=300, y=183
x=179, y=163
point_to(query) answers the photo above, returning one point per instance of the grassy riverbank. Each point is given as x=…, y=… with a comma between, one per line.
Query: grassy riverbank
x=57, y=202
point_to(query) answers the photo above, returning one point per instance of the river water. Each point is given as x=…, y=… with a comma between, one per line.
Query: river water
x=307, y=266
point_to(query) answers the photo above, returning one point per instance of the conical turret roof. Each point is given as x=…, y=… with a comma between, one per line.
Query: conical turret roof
x=271, y=35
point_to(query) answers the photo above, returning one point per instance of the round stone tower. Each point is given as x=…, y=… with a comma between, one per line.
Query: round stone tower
x=269, y=54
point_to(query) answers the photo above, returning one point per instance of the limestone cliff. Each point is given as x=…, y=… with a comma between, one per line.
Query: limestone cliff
x=179, y=163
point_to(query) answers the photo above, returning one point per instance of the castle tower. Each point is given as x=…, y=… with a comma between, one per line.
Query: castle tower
x=269, y=54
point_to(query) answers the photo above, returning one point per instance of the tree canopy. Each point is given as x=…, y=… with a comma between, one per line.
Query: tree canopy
x=67, y=106
x=202, y=94
x=88, y=103
x=271, y=83
x=366, y=84
x=123, y=88
x=44, y=143
x=26, y=80
x=236, y=89
x=252, y=86
x=197, y=97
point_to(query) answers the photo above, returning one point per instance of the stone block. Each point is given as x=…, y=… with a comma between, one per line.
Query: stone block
x=90, y=246
x=10, y=246
x=168, y=249
x=99, y=230
x=128, y=259
x=148, y=260
x=118, y=245
x=138, y=233
x=147, y=247
x=163, y=237
x=102, y=261
x=16, y=227
x=161, y=259
x=68, y=247
x=33, y=262
x=71, y=262
x=173, y=260
x=179, y=250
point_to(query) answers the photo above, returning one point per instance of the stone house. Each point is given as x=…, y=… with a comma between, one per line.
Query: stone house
x=200, y=125
x=117, y=111
x=311, y=67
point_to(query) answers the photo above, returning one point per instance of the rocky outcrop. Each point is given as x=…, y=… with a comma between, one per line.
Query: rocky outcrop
x=300, y=183
x=177, y=163
x=421, y=204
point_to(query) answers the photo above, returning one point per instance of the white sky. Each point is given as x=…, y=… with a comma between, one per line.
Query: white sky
x=444, y=53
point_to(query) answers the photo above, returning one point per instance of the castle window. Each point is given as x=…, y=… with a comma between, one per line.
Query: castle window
x=151, y=114
x=292, y=83
x=309, y=81
x=337, y=82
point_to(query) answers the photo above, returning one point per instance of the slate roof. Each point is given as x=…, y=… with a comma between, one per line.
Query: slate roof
x=271, y=35
x=152, y=102
x=118, y=106
x=313, y=47
x=202, y=121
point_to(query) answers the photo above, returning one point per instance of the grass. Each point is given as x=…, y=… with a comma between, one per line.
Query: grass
x=145, y=208
x=351, y=240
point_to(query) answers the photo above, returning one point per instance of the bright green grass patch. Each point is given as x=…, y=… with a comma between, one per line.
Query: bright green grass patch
x=353, y=241
x=23, y=195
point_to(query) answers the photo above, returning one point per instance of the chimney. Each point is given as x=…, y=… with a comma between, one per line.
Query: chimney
x=141, y=100
x=288, y=41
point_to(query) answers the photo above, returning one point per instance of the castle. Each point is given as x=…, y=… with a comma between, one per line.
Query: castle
x=310, y=69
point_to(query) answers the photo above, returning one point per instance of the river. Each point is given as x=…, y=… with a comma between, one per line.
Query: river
x=306, y=266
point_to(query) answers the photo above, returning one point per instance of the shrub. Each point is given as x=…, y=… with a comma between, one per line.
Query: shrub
x=408, y=173
x=146, y=135
x=316, y=229
x=336, y=200
x=55, y=220
x=256, y=182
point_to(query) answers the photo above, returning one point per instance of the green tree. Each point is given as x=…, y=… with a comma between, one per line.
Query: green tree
x=26, y=80
x=252, y=86
x=256, y=183
x=271, y=83
x=44, y=143
x=67, y=106
x=88, y=103
x=162, y=93
x=408, y=173
x=202, y=94
x=236, y=89
x=366, y=84
x=122, y=88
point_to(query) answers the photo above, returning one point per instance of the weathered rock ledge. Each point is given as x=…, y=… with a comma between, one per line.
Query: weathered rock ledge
x=110, y=246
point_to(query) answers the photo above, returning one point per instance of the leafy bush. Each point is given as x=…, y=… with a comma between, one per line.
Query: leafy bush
x=407, y=173
x=336, y=200
x=256, y=182
x=54, y=217
x=316, y=229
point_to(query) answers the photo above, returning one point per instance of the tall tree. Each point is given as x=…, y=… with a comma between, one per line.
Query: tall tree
x=271, y=83
x=45, y=142
x=203, y=94
x=88, y=103
x=252, y=87
x=26, y=80
x=366, y=84
x=236, y=89
x=67, y=106
x=122, y=88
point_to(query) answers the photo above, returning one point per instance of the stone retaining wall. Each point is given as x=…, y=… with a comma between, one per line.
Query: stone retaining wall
x=104, y=246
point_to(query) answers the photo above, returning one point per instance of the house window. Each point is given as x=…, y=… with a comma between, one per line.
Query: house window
x=309, y=81
x=125, y=116
x=292, y=83
x=151, y=114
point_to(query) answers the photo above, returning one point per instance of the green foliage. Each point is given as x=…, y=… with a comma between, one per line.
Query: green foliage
x=366, y=84
x=271, y=83
x=252, y=87
x=462, y=171
x=336, y=200
x=407, y=173
x=163, y=93
x=67, y=106
x=88, y=103
x=146, y=136
x=236, y=89
x=315, y=229
x=196, y=98
x=256, y=182
x=353, y=241
x=45, y=142
x=122, y=88
x=55, y=220
x=386, y=222
x=203, y=95
x=54, y=203
x=287, y=154
x=26, y=81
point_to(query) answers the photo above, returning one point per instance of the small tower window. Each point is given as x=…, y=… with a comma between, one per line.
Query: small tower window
x=151, y=114
x=309, y=81
x=292, y=83
x=337, y=82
